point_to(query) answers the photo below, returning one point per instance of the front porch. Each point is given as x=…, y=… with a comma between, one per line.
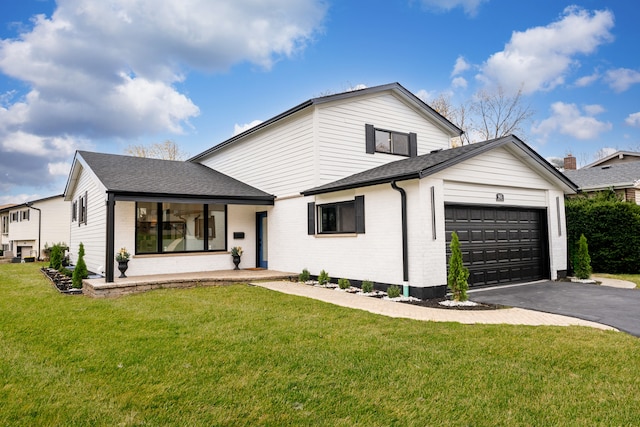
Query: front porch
x=98, y=288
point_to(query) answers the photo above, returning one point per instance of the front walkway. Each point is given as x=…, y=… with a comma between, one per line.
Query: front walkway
x=511, y=316
x=98, y=288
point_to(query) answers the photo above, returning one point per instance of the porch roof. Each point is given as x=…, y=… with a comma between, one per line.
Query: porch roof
x=145, y=179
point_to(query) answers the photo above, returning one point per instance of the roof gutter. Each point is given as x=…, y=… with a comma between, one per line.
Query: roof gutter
x=405, y=243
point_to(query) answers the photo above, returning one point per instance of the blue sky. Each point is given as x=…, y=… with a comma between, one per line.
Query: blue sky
x=99, y=76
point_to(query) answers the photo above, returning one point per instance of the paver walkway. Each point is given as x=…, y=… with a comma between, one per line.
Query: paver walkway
x=512, y=316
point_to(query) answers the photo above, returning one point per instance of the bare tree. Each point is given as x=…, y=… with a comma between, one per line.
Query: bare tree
x=491, y=114
x=167, y=150
x=500, y=114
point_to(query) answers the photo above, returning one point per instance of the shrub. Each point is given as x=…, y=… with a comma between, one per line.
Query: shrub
x=458, y=273
x=612, y=228
x=55, y=258
x=393, y=291
x=323, y=278
x=304, y=276
x=66, y=272
x=344, y=283
x=582, y=265
x=80, y=272
x=367, y=286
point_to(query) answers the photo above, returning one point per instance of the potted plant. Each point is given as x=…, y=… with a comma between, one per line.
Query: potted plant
x=122, y=256
x=236, y=253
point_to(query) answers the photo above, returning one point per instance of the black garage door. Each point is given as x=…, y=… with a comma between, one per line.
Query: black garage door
x=499, y=245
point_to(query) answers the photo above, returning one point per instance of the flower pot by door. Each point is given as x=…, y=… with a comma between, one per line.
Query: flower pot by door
x=236, y=261
x=122, y=266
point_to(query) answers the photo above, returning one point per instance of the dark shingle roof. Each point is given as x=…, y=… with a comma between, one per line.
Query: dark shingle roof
x=427, y=164
x=615, y=175
x=138, y=175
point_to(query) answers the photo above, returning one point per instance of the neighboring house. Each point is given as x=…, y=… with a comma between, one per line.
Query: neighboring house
x=4, y=229
x=615, y=158
x=27, y=227
x=362, y=184
x=623, y=178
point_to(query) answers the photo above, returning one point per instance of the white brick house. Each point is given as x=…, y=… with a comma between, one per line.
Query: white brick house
x=362, y=184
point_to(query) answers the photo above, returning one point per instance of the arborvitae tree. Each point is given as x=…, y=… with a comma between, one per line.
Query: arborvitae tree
x=583, y=260
x=458, y=273
x=55, y=259
x=80, y=272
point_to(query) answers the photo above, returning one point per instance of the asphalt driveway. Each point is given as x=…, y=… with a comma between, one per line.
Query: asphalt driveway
x=615, y=307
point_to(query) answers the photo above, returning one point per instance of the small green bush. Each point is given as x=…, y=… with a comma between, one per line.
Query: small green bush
x=66, y=272
x=367, y=286
x=393, y=291
x=344, y=283
x=583, y=261
x=304, y=276
x=55, y=258
x=458, y=273
x=80, y=272
x=323, y=278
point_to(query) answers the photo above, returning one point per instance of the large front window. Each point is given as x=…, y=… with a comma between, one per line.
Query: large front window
x=179, y=227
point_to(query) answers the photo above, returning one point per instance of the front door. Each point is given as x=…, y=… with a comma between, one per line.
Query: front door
x=261, y=240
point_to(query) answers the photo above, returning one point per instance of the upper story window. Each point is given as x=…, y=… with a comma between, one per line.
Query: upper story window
x=14, y=216
x=5, y=224
x=82, y=209
x=74, y=211
x=24, y=215
x=390, y=142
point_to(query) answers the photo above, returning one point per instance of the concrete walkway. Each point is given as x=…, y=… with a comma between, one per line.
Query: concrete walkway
x=511, y=316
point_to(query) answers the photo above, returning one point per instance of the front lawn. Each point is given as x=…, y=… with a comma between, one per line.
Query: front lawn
x=242, y=355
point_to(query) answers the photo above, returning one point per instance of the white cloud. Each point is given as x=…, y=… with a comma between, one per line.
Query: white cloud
x=541, y=57
x=622, y=79
x=19, y=198
x=425, y=95
x=460, y=66
x=459, y=82
x=587, y=80
x=238, y=129
x=633, y=120
x=567, y=119
x=59, y=168
x=105, y=70
x=470, y=6
x=594, y=109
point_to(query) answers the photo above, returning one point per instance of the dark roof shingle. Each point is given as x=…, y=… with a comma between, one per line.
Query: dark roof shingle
x=127, y=174
x=615, y=175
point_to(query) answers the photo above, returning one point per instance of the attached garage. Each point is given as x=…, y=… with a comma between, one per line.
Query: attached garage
x=500, y=245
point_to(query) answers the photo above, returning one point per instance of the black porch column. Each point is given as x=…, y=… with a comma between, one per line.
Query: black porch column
x=111, y=250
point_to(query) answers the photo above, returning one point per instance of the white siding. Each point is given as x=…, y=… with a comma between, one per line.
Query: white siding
x=341, y=133
x=499, y=168
x=278, y=159
x=56, y=214
x=92, y=234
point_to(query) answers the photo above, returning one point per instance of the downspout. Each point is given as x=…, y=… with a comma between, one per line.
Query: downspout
x=30, y=205
x=405, y=243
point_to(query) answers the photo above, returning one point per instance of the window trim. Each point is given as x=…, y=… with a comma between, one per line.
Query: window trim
x=159, y=229
x=314, y=218
x=370, y=138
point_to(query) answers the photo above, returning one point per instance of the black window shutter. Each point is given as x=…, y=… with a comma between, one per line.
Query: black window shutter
x=359, y=214
x=311, y=218
x=370, y=133
x=413, y=145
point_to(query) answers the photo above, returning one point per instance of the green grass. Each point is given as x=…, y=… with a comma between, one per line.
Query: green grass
x=241, y=355
x=635, y=278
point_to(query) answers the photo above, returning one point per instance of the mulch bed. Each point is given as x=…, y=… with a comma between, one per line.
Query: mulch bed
x=435, y=303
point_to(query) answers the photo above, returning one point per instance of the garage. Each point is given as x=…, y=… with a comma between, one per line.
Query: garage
x=499, y=245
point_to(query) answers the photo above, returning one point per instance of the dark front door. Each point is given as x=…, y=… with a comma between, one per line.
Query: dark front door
x=499, y=245
x=261, y=240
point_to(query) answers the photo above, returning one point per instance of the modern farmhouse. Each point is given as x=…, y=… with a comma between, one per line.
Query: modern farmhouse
x=363, y=184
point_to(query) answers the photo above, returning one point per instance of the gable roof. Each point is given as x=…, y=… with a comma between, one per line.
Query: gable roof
x=397, y=88
x=6, y=208
x=428, y=164
x=139, y=178
x=618, y=154
x=619, y=175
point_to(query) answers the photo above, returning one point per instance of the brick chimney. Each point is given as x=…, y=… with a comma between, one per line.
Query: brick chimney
x=569, y=163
